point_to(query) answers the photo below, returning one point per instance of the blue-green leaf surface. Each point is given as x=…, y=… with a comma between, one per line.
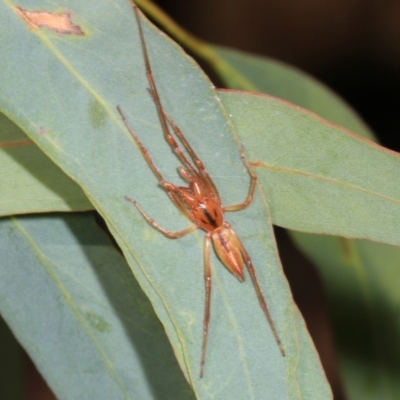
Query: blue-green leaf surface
x=289, y=83
x=347, y=187
x=75, y=306
x=29, y=181
x=70, y=113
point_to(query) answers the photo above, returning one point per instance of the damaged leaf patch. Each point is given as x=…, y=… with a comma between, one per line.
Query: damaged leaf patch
x=60, y=23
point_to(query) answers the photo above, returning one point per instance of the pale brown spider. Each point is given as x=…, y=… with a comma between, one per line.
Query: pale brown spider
x=200, y=203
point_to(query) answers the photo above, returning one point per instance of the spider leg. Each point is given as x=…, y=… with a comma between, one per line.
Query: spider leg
x=249, y=198
x=154, y=224
x=199, y=164
x=170, y=139
x=156, y=97
x=143, y=149
x=260, y=296
x=164, y=117
x=170, y=188
x=207, y=277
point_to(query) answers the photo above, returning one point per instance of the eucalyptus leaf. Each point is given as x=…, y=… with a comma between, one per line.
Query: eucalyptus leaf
x=75, y=306
x=69, y=110
x=339, y=190
x=29, y=181
x=287, y=82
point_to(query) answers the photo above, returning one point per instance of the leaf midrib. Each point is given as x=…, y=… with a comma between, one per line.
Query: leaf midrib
x=48, y=265
x=262, y=164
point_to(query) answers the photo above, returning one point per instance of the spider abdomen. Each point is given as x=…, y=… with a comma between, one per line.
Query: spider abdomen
x=227, y=246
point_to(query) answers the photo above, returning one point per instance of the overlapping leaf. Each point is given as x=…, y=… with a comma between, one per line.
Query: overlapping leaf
x=318, y=177
x=30, y=182
x=73, y=303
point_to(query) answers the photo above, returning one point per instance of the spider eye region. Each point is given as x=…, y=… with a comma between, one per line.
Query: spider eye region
x=208, y=215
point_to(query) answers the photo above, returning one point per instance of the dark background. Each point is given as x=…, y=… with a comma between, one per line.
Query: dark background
x=354, y=47
x=351, y=45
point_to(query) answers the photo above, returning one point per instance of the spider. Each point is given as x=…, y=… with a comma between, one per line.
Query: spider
x=201, y=204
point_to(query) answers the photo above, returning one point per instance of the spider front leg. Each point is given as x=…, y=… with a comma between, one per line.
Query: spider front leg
x=155, y=225
x=249, y=198
x=202, y=172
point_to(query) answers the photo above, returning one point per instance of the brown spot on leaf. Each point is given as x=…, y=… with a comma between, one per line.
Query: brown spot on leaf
x=60, y=23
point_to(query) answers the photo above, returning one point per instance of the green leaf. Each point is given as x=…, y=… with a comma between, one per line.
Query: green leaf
x=361, y=278
x=76, y=308
x=30, y=182
x=289, y=83
x=71, y=87
x=339, y=190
